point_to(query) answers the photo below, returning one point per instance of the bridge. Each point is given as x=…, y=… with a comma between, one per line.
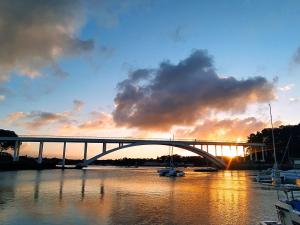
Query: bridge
x=199, y=147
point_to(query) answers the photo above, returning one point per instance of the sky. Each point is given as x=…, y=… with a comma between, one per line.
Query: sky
x=150, y=69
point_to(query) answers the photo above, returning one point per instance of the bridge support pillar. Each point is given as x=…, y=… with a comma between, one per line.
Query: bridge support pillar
x=85, y=153
x=236, y=150
x=216, y=153
x=64, y=155
x=262, y=153
x=250, y=153
x=41, y=148
x=207, y=148
x=222, y=151
x=244, y=153
x=104, y=147
x=16, y=151
x=255, y=154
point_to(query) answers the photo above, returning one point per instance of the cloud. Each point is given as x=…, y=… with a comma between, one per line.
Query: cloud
x=2, y=98
x=40, y=119
x=296, y=57
x=183, y=93
x=226, y=129
x=35, y=34
x=77, y=105
x=287, y=87
x=107, y=12
x=293, y=99
x=16, y=116
x=61, y=121
x=178, y=34
x=98, y=121
x=37, y=119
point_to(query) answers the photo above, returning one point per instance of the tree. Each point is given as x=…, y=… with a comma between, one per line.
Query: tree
x=282, y=135
x=5, y=145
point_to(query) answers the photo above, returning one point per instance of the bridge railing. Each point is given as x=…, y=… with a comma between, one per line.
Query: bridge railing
x=134, y=138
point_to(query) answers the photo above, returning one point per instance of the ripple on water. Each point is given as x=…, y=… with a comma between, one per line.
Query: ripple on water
x=109, y=195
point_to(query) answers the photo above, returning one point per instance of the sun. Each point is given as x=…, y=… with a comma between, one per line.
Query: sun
x=238, y=139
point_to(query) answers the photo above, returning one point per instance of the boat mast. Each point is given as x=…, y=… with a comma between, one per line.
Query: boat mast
x=273, y=140
x=171, y=160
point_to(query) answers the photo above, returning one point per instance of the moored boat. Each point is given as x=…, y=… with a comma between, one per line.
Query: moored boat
x=171, y=172
x=290, y=174
x=206, y=169
x=287, y=207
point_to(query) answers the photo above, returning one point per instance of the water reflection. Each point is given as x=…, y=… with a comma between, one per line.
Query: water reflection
x=132, y=196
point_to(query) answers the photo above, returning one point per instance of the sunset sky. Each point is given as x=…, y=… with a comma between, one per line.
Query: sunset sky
x=145, y=68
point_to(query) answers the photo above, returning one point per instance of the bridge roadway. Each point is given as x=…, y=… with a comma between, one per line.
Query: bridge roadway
x=187, y=144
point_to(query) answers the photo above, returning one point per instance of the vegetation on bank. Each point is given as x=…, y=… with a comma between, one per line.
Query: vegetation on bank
x=5, y=145
x=287, y=142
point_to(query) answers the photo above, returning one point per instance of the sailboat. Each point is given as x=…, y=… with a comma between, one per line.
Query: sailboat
x=272, y=174
x=171, y=171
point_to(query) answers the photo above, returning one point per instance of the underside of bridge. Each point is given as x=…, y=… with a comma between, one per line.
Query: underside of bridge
x=216, y=161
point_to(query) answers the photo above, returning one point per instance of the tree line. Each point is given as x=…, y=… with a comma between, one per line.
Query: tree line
x=287, y=142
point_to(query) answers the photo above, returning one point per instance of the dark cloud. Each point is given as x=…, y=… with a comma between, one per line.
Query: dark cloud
x=35, y=34
x=184, y=93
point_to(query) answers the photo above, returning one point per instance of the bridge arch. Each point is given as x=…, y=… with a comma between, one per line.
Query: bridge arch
x=217, y=162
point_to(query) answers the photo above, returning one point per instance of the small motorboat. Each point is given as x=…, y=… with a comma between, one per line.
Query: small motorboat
x=287, y=206
x=206, y=169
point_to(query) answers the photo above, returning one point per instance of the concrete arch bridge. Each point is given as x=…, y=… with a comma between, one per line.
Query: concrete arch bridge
x=195, y=146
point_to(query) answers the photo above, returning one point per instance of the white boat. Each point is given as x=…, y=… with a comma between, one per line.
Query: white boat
x=287, y=207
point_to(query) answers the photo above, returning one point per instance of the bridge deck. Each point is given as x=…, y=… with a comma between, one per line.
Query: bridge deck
x=125, y=140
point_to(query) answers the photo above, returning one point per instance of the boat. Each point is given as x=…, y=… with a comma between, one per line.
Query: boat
x=265, y=176
x=206, y=169
x=171, y=171
x=290, y=174
x=287, y=206
x=271, y=175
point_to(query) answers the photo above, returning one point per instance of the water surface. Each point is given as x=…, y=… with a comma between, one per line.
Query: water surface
x=111, y=195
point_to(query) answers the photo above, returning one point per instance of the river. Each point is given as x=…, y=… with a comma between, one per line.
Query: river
x=112, y=195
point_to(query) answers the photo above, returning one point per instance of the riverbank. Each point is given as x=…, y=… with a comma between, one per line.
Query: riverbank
x=29, y=163
x=25, y=163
